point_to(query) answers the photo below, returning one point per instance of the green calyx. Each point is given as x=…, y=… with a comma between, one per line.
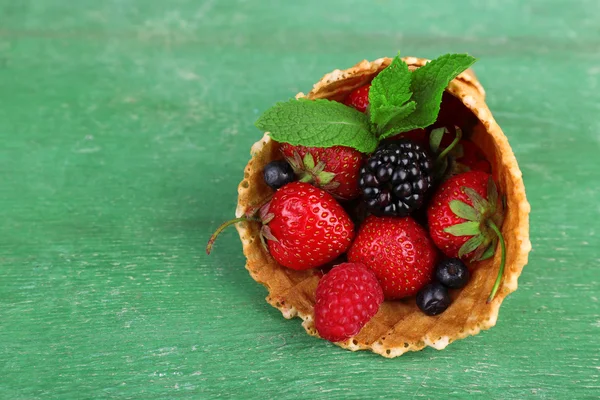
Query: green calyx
x=400, y=101
x=308, y=171
x=478, y=217
x=483, y=219
x=444, y=162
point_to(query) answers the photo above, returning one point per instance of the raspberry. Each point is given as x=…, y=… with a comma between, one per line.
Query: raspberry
x=346, y=299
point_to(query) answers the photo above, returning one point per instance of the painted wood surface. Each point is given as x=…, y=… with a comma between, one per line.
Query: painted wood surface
x=125, y=126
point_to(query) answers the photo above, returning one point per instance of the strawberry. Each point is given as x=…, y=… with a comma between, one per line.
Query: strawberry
x=347, y=297
x=465, y=216
x=303, y=227
x=334, y=169
x=399, y=251
x=359, y=98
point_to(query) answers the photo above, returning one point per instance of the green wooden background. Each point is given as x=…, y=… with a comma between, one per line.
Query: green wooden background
x=125, y=126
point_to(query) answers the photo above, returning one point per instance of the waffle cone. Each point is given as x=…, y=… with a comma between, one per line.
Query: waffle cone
x=399, y=326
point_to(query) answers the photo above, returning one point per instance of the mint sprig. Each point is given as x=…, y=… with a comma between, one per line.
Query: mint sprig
x=390, y=88
x=318, y=123
x=427, y=85
x=389, y=116
x=399, y=101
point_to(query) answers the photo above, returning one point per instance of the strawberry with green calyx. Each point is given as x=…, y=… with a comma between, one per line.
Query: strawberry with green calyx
x=334, y=169
x=303, y=227
x=399, y=101
x=465, y=216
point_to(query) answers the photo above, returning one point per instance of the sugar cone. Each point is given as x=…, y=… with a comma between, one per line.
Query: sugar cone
x=399, y=326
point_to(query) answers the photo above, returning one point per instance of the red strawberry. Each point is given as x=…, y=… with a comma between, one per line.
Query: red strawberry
x=304, y=227
x=462, y=215
x=310, y=228
x=334, y=169
x=347, y=297
x=359, y=98
x=399, y=251
x=465, y=217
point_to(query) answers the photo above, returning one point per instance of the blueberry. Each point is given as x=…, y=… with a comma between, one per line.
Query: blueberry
x=278, y=173
x=433, y=299
x=452, y=273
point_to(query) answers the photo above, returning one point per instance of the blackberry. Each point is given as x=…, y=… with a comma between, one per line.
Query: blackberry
x=395, y=178
x=278, y=173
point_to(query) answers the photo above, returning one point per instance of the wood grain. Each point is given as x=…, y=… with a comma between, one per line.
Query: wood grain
x=125, y=128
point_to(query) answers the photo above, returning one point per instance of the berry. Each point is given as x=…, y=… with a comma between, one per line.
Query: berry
x=433, y=299
x=306, y=227
x=452, y=273
x=359, y=98
x=465, y=216
x=395, y=178
x=459, y=212
x=278, y=173
x=303, y=227
x=334, y=169
x=347, y=297
x=398, y=250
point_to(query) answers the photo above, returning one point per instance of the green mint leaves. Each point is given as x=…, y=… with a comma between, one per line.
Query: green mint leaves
x=388, y=117
x=390, y=88
x=399, y=101
x=318, y=123
x=428, y=84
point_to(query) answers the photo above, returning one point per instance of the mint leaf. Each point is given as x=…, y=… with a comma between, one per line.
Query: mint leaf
x=391, y=87
x=318, y=123
x=389, y=114
x=427, y=85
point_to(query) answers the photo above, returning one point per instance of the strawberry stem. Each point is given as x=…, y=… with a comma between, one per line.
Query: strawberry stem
x=224, y=225
x=492, y=225
x=448, y=149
